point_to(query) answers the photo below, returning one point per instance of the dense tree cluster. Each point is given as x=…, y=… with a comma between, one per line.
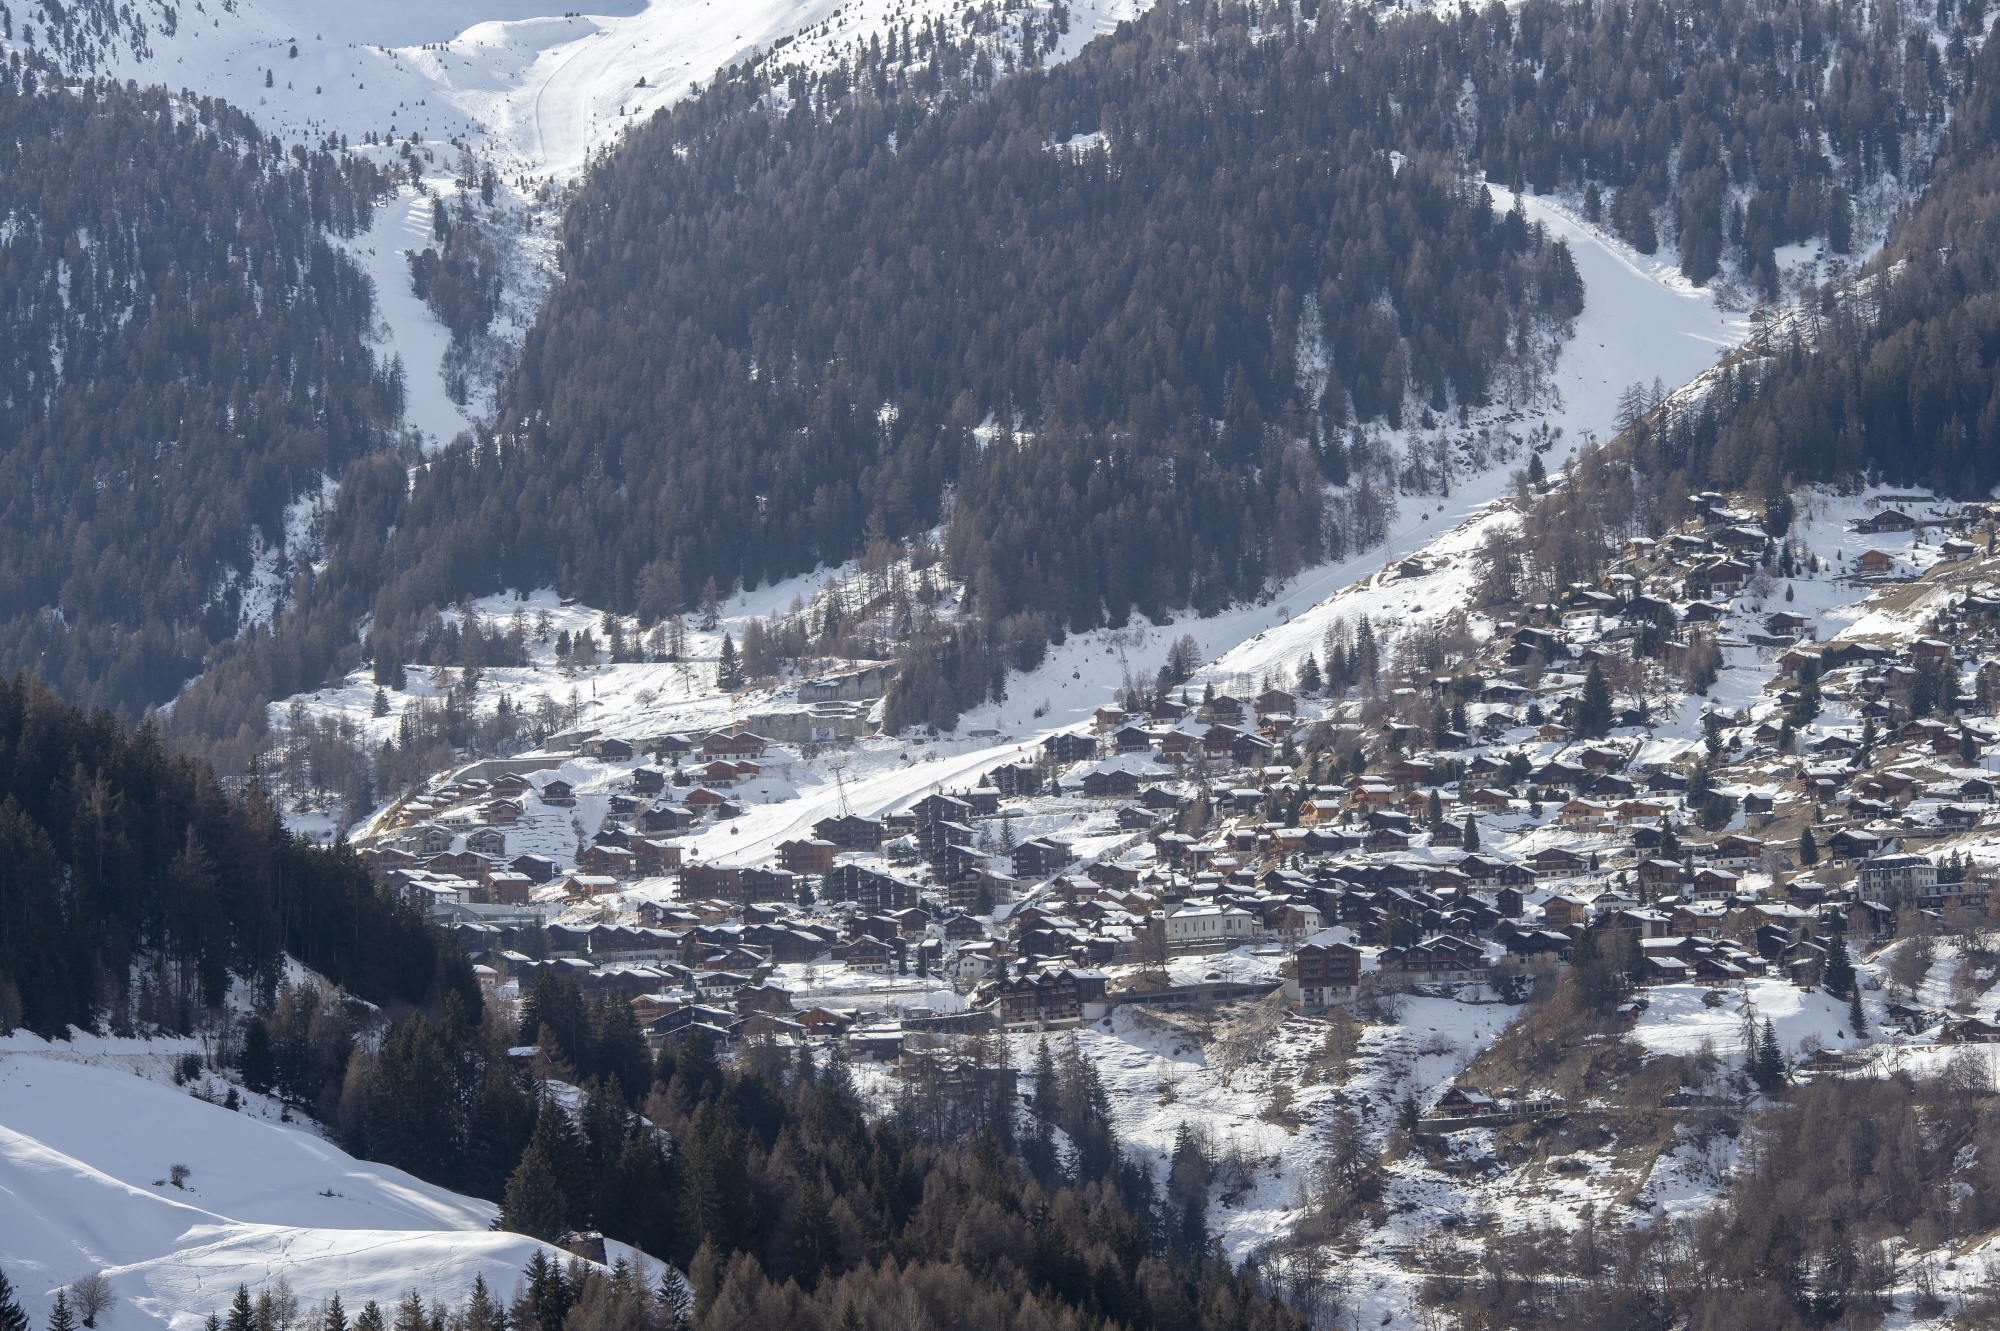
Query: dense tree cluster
x=1135, y=358
x=766, y=1182
x=1127, y=312
x=83, y=33
x=184, y=354
x=1891, y=374
x=1723, y=127
x=1812, y=1232
x=457, y=276
x=132, y=885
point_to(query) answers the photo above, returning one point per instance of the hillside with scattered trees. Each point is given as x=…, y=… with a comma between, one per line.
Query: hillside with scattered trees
x=1889, y=373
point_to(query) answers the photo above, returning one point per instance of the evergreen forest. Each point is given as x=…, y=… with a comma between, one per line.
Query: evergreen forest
x=186, y=352
x=135, y=890
x=1138, y=325
x=1889, y=374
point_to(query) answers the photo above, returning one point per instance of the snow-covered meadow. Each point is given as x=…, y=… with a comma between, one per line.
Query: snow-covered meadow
x=90, y=1134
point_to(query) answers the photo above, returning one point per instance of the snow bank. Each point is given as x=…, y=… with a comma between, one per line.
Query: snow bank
x=1678, y=1019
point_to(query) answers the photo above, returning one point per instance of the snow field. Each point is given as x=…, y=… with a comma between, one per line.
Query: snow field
x=88, y=1133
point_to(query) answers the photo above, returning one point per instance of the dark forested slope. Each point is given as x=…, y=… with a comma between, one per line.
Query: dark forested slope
x=132, y=885
x=1895, y=373
x=1125, y=312
x=182, y=353
x=1122, y=322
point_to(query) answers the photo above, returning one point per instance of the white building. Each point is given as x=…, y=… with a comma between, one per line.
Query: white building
x=1197, y=927
x=1890, y=877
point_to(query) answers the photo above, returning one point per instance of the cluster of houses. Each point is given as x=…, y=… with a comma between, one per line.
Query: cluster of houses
x=1356, y=878
x=648, y=805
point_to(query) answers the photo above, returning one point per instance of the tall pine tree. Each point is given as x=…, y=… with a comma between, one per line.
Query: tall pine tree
x=1839, y=970
x=534, y=1204
x=242, y=1317
x=12, y=1318
x=1769, y=1070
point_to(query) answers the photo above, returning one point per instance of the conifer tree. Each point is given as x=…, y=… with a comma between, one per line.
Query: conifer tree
x=12, y=1318
x=1471, y=840
x=1808, y=847
x=728, y=676
x=410, y=1313
x=534, y=1205
x=563, y=1151
x=242, y=1317
x=815, y=1241
x=335, y=1319
x=482, y=1311
x=60, y=1317
x=1593, y=713
x=1770, y=1065
x=1856, y=1018
x=370, y=1318
x=1839, y=968
x=548, y=1297
x=258, y=1067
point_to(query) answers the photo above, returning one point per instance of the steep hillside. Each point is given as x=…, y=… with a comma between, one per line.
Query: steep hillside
x=747, y=465
x=1888, y=372
x=135, y=886
x=184, y=351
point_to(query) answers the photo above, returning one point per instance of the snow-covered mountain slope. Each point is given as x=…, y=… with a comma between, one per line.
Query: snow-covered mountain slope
x=536, y=87
x=405, y=326
x=1641, y=321
x=89, y=1136
x=530, y=89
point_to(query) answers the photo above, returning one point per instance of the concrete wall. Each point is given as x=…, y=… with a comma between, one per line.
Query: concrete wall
x=796, y=726
x=863, y=685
